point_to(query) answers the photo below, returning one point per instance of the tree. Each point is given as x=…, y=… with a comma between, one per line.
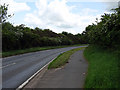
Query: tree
x=105, y=33
x=3, y=13
x=65, y=33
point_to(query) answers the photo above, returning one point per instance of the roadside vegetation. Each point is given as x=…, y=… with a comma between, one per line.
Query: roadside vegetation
x=17, y=52
x=63, y=58
x=106, y=32
x=21, y=37
x=104, y=68
x=103, y=54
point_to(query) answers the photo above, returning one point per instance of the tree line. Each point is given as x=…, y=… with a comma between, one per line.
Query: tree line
x=106, y=32
x=21, y=37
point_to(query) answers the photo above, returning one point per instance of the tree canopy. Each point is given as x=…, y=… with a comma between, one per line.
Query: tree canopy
x=105, y=33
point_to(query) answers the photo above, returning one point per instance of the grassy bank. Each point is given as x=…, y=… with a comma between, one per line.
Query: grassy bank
x=17, y=52
x=104, y=68
x=62, y=59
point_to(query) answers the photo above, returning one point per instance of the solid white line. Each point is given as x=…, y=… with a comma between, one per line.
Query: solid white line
x=22, y=85
x=28, y=80
x=7, y=65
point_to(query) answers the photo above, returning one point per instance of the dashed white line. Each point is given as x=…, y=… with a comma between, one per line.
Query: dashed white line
x=8, y=65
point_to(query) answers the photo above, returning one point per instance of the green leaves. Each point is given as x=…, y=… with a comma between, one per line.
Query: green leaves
x=3, y=13
x=22, y=37
x=105, y=33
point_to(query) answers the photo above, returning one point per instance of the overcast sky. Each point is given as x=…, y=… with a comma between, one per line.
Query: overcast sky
x=58, y=15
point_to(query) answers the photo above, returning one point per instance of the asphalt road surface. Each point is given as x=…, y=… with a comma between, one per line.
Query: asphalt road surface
x=71, y=75
x=17, y=69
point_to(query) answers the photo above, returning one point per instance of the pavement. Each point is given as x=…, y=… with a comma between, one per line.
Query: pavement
x=17, y=69
x=71, y=75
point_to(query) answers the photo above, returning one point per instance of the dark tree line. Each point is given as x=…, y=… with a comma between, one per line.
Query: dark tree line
x=21, y=37
x=106, y=32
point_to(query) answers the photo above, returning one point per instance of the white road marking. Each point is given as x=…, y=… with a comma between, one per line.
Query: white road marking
x=28, y=80
x=8, y=65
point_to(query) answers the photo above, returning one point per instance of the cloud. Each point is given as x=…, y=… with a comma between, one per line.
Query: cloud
x=15, y=7
x=32, y=19
x=58, y=16
x=111, y=5
x=93, y=0
x=74, y=0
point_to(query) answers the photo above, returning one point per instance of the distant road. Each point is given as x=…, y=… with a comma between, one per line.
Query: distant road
x=17, y=69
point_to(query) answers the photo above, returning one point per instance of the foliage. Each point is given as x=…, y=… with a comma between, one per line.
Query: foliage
x=22, y=37
x=3, y=13
x=105, y=33
x=103, y=56
x=104, y=68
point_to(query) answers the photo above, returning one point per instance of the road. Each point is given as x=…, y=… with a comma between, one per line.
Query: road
x=71, y=75
x=17, y=69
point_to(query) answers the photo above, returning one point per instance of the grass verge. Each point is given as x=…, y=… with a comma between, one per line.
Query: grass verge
x=104, y=68
x=63, y=58
x=17, y=52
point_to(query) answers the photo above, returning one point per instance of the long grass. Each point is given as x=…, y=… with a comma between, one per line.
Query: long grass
x=17, y=52
x=104, y=68
x=63, y=58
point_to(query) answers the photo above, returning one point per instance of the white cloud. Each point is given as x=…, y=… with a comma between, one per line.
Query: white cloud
x=15, y=7
x=74, y=0
x=57, y=16
x=110, y=4
x=32, y=19
x=93, y=0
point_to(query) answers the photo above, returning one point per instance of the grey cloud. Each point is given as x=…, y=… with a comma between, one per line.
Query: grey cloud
x=111, y=5
x=65, y=26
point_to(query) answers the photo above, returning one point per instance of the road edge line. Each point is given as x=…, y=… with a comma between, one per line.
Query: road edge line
x=30, y=78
